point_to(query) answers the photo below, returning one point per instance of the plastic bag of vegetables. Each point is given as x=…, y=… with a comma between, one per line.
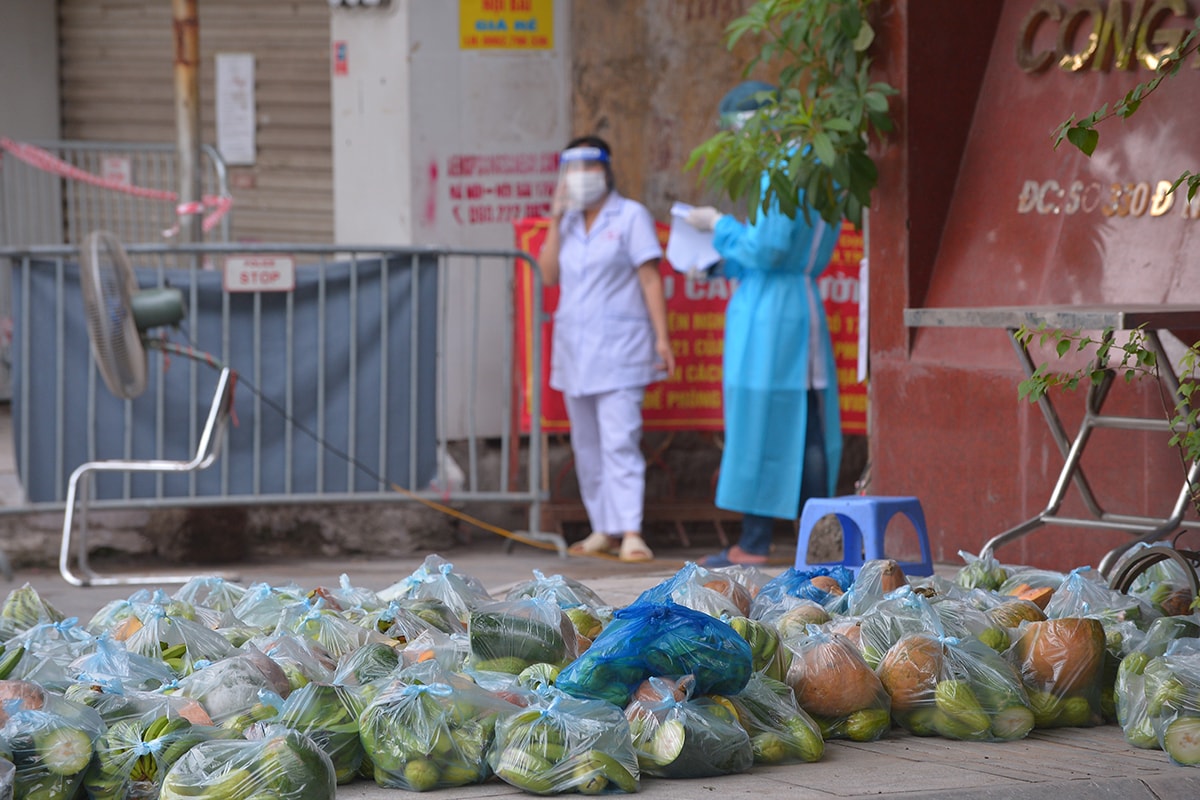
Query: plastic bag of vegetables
x=368, y=663
x=652, y=639
x=8, y=775
x=115, y=703
x=325, y=626
x=564, y=744
x=278, y=763
x=329, y=715
x=1084, y=593
x=134, y=754
x=1061, y=663
x=402, y=623
x=110, y=660
x=211, y=591
x=566, y=592
x=48, y=649
x=833, y=683
x=262, y=604
x=821, y=585
x=231, y=689
x=894, y=617
x=781, y=732
x=876, y=579
x=1154, y=573
x=956, y=688
x=1130, y=686
x=767, y=653
x=1030, y=583
x=1173, y=700
x=701, y=589
x=981, y=572
x=680, y=737
x=430, y=729
x=510, y=635
x=450, y=650
x=302, y=660
x=51, y=744
x=436, y=579
x=177, y=641
x=347, y=597
x=23, y=608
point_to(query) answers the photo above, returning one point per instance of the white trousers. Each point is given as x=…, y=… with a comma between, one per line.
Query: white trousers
x=606, y=434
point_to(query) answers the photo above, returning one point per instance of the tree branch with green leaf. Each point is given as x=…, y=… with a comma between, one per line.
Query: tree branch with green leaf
x=1136, y=359
x=1082, y=133
x=812, y=142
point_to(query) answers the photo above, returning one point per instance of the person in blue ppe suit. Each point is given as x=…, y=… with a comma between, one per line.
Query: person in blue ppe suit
x=610, y=340
x=783, y=440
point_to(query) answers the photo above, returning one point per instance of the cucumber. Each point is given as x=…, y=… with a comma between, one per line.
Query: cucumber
x=665, y=745
x=679, y=750
x=63, y=751
x=1181, y=740
x=498, y=635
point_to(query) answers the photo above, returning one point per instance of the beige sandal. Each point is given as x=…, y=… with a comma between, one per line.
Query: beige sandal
x=634, y=549
x=596, y=544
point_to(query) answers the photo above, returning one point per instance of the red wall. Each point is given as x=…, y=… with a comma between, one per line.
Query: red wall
x=948, y=228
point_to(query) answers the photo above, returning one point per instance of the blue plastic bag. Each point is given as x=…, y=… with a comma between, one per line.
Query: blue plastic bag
x=648, y=639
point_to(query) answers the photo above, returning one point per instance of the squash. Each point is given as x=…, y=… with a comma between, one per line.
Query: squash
x=1062, y=656
x=910, y=671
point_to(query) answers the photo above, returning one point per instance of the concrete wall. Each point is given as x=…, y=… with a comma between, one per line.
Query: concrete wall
x=647, y=76
x=949, y=228
x=28, y=70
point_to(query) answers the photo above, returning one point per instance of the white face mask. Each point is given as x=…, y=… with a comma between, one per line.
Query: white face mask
x=585, y=188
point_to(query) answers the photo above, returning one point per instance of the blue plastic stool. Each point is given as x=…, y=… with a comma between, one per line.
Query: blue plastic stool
x=864, y=521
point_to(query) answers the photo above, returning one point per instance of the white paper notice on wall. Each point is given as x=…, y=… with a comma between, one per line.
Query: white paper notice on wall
x=235, y=107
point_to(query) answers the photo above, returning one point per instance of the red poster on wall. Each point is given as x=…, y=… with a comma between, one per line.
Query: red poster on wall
x=691, y=398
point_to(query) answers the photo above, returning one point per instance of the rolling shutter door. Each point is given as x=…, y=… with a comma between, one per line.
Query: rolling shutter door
x=118, y=85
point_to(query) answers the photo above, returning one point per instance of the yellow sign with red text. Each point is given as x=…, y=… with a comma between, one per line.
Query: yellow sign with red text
x=506, y=24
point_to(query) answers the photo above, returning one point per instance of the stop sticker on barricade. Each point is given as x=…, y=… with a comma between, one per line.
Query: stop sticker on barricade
x=260, y=274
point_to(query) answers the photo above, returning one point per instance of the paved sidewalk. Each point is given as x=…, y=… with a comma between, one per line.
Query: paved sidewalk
x=1065, y=764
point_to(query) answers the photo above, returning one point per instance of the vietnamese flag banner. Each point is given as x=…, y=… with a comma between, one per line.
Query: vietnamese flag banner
x=690, y=399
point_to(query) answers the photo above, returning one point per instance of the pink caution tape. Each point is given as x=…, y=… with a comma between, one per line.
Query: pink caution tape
x=48, y=162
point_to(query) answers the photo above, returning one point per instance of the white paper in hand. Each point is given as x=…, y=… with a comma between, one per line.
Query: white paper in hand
x=688, y=249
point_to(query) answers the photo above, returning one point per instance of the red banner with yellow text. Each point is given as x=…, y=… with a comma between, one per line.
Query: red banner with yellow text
x=690, y=399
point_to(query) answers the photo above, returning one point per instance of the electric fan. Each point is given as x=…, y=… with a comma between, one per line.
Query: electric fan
x=120, y=317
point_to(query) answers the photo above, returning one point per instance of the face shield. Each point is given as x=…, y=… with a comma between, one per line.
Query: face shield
x=743, y=102
x=584, y=174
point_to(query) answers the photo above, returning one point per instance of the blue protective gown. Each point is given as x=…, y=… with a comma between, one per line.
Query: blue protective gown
x=776, y=262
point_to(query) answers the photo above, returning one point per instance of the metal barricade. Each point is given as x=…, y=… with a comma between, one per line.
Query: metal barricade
x=341, y=393
x=55, y=192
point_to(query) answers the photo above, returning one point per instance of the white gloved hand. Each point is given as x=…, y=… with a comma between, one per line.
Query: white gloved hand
x=703, y=218
x=558, y=204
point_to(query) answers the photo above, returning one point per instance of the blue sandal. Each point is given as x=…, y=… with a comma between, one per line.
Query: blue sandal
x=722, y=559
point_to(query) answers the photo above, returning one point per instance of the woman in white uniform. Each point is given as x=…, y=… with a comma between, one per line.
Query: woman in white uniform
x=610, y=340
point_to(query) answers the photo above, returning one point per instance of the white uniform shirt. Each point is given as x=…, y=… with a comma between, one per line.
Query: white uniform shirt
x=603, y=337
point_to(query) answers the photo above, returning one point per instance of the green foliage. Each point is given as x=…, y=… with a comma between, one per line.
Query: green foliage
x=813, y=140
x=1082, y=133
x=1131, y=360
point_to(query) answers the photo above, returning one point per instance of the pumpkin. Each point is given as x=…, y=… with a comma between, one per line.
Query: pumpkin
x=1063, y=656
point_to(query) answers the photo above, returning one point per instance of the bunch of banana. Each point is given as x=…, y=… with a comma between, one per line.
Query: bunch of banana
x=9, y=658
x=766, y=655
x=132, y=756
x=24, y=608
x=174, y=656
x=259, y=712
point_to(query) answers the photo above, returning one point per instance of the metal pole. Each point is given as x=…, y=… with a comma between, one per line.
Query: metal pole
x=186, y=25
